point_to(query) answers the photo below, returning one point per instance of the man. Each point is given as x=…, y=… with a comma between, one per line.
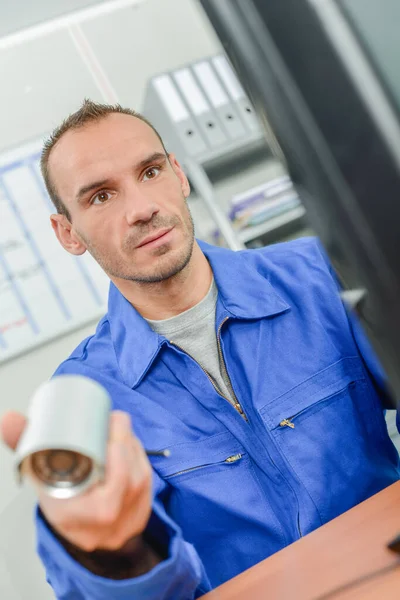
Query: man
x=244, y=365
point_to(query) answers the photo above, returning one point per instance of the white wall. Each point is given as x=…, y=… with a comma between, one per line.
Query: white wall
x=20, y=14
x=43, y=81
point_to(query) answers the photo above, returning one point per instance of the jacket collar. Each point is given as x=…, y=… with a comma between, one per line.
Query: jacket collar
x=244, y=293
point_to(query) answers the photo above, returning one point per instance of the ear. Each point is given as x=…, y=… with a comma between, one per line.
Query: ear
x=66, y=235
x=180, y=174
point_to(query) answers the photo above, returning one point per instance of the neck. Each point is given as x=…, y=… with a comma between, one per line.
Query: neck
x=173, y=296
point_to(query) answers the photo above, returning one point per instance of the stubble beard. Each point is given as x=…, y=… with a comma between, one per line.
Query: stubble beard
x=166, y=269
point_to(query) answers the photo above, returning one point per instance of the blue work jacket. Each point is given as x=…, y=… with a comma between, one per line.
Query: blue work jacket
x=235, y=490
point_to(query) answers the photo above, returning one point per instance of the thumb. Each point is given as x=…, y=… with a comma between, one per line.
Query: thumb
x=12, y=425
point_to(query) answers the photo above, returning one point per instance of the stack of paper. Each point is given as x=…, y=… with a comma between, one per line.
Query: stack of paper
x=263, y=202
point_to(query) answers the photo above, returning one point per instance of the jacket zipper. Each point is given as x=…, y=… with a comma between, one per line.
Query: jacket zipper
x=231, y=459
x=288, y=422
x=235, y=402
x=221, y=357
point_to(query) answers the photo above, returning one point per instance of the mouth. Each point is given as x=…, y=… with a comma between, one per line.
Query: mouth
x=158, y=238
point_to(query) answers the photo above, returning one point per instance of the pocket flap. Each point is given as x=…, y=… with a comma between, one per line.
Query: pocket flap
x=189, y=455
x=323, y=384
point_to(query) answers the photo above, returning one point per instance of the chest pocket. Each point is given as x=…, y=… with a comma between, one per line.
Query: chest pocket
x=332, y=432
x=192, y=459
x=214, y=495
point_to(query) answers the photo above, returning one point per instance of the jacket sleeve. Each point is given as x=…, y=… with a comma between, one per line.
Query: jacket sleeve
x=372, y=364
x=365, y=348
x=180, y=576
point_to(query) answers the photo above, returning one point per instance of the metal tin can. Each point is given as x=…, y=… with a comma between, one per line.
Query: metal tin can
x=63, y=447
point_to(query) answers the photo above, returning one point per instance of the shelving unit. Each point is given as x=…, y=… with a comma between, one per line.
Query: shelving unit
x=215, y=146
x=293, y=218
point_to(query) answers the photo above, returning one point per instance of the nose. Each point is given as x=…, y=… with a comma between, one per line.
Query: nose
x=139, y=207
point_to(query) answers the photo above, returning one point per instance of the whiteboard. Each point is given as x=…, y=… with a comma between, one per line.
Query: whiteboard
x=44, y=291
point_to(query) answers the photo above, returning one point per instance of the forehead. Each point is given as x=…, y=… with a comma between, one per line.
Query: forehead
x=100, y=149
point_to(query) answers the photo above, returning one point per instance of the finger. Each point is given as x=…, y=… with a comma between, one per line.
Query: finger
x=120, y=426
x=138, y=477
x=140, y=465
x=136, y=507
x=111, y=494
x=11, y=426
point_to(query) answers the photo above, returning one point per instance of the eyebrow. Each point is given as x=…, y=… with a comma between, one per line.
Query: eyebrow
x=156, y=156
x=88, y=188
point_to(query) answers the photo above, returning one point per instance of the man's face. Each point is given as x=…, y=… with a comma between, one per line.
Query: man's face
x=127, y=201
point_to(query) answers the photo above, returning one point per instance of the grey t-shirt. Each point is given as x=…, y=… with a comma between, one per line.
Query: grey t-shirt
x=194, y=332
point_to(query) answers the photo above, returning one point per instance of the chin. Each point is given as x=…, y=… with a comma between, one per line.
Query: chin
x=170, y=264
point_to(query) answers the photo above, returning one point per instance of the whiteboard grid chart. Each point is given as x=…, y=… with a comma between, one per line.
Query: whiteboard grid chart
x=44, y=291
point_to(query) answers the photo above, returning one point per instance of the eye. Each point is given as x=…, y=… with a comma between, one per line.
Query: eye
x=151, y=173
x=101, y=197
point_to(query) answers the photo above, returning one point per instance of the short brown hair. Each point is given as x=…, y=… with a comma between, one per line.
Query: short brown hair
x=88, y=112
